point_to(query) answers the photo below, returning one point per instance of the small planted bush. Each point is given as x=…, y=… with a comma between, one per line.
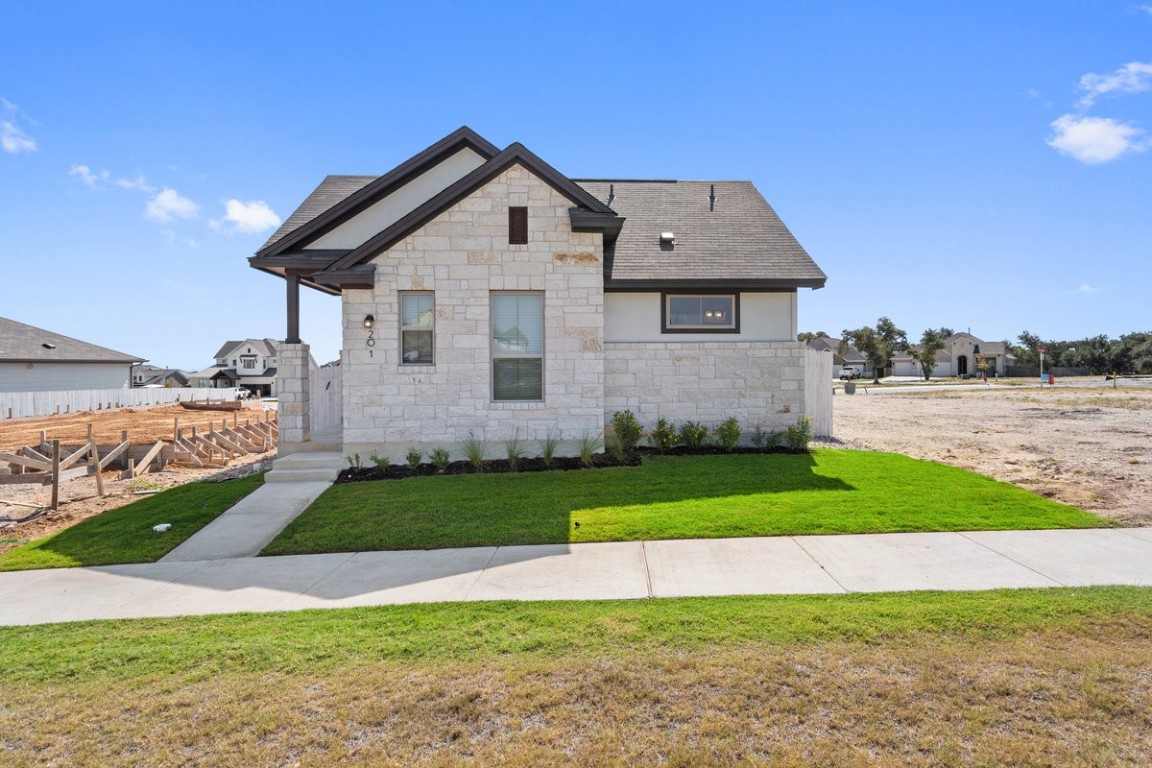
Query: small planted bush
x=728, y=434
x=589, y=444
x=627, y=429
x=694, y=436
x=413, y=458
x=353, y=461
x=515, y=451
x=798, y=435
x=765, y=441
x=439, y=458
x=664, y=436
x=378, y=461
x=474, y=450
x=548, y=447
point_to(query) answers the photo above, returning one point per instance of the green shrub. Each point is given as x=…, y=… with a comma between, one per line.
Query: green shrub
x=798, y=435
x=440, y=458
x=627, y=429
x=378, y=461
x=413, y=458
x=589, y=444
x=664, y=437
x=693, y=435
x=765, y=440
x=474, y=450
x=514, y=450
x=548, y=447
x=728, y=434
x=353, y=461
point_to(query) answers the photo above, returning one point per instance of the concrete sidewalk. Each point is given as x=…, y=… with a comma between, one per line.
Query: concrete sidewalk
x=626, y=570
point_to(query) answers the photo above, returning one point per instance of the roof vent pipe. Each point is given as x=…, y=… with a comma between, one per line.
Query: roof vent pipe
x=712, y=198
x=611, y=194
x=667, y=238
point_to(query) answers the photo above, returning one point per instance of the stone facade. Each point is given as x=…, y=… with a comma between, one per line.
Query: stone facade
x=462, y=257
x=707, y=382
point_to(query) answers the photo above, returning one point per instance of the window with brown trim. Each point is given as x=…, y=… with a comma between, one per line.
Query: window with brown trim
x=518, y=225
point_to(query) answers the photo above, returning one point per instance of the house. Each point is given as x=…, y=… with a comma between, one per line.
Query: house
x=151, y=376
x=851, y=357
x=250, y=364
x=35, y=360
x=486, y=294
x=963, y=355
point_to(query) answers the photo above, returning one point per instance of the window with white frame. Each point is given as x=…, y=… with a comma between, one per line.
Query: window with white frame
x=701, y=313
x=248, y=363
x=417, y=328
x=518, y=346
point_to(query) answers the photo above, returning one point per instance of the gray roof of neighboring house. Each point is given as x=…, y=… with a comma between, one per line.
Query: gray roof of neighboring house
x=851, y=354
x=737, y=238
x=26, y=343
x=265, y=347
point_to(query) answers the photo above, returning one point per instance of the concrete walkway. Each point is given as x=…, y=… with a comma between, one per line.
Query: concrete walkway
x=628, y=570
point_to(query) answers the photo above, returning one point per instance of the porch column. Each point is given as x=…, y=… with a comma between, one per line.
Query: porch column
x=295, y=398
x=293, y=283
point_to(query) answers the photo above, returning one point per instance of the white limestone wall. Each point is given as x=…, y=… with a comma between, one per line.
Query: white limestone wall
x=757, y=382
x=636, y=317
x=462, y=257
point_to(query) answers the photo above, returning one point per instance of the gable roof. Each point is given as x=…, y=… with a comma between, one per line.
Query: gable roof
x=725, y=234
x=263, y=347
x=21, y=343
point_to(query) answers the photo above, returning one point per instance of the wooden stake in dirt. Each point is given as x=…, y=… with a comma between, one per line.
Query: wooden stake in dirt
x=95, y=459
x=55, y=474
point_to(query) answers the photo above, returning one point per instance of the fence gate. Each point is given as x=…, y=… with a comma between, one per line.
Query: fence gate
x=326, y=412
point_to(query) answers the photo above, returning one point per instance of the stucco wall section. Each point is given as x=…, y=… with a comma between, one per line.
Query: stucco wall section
x=462, y=256
x=636, y=317
x=757, y=382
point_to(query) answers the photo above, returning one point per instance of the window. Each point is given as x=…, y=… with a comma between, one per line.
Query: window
x=417, y=328
x=517, y=346
x=517, y=225
x=717, y=313
x=248, y=363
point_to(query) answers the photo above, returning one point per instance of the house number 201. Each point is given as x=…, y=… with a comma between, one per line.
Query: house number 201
x=371, y=342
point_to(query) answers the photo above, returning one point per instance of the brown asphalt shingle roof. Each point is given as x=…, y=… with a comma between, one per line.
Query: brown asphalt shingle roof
x=333, y=190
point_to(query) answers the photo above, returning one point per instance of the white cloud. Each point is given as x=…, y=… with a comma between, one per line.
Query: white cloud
x=168, y=205
x=1094, y=140
x=103, y=179
x=85, y=175
x=139, y=184
x=1088, y=289
x=12, y=138
x=1133, y=77
x=251, y=217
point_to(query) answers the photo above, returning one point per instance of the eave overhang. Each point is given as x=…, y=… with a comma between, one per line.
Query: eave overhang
x=767, y=285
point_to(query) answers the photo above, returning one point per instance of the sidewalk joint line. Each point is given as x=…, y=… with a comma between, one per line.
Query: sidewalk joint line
x=647, y=573
x=1008, y=558
x=812, y=557
x=480, y=573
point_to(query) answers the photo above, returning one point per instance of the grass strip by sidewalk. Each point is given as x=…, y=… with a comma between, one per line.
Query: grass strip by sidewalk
x=322, y=640
x=828, y=492
x=125, y=535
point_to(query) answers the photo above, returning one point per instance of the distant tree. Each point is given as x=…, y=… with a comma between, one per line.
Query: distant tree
x=944, y=331
x=1028, y=351
x=805, y=336
x=931, y=342
x=878, y=344
x=1138, y=347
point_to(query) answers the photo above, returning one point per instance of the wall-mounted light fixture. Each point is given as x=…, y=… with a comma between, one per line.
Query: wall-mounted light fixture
x=368, y=320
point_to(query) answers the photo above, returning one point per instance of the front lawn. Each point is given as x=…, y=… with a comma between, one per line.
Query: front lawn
x=125, y=535
x=830, y=491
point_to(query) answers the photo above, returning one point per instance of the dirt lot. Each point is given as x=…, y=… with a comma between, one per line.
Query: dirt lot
x=1083, y=443
x=78, y=497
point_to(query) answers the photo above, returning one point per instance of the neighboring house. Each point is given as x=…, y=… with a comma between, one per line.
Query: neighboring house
x=963, y=355
x=851, y=357
x=35, y=360
x=486, y=294
x=250, y=364
x=151, y=376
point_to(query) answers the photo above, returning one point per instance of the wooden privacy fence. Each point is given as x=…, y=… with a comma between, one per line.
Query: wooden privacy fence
x=818, y=390
x=26, y=405
x=325, y=398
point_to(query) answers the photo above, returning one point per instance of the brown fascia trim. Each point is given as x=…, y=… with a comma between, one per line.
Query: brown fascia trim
x=584, y=220
x=383, y=186
x=764, y=286
x=360, y=276
x=312, y=260
x=515, y=154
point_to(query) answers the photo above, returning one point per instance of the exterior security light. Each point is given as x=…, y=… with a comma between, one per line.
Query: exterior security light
x=368, y=320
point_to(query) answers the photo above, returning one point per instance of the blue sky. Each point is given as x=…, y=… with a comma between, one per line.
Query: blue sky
x=978, y=165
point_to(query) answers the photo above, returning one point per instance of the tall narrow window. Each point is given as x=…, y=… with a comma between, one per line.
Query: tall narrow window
x=517, y=225
x=417, y=328
x=517, y=346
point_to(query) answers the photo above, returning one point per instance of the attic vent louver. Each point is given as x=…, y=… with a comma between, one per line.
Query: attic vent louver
x=667, y=238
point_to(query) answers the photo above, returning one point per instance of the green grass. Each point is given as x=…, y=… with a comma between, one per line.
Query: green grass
x=125, y=535
x=316, y=641
x=831, y=491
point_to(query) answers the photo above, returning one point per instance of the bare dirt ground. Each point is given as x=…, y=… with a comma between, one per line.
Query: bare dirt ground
x=1082, y=443
x=78, y=497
